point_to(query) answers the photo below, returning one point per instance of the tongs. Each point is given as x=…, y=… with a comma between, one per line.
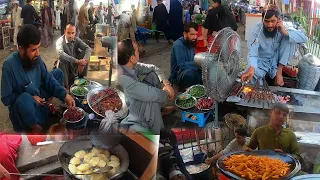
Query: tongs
x=101, y=98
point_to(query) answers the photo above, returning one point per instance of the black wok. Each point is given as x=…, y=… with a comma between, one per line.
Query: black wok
x=287, y=158
x=68, y=149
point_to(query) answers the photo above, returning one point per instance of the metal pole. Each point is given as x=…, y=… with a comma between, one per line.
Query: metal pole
x=110, y=68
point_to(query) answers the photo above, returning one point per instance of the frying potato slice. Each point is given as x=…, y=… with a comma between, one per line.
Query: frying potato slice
x=73, y=169
x=94, y=161
x=75, y=161
x=102, y=163
x=96, y=151
x=102, y=157
x=90, y=171
x=80, y=154
x=87, y=157
x=99, y=177
x=84, y=167
x=80, y=176
x=114, y=158
x=107, y=153
x=114, y=164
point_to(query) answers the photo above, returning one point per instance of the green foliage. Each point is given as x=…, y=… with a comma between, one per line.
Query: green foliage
x=301, y=18
x=199, y=19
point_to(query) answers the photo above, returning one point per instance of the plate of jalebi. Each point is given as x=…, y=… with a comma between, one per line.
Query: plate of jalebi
x=258, y=165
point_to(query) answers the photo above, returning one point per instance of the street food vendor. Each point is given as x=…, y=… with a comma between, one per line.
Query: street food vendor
x=238, y=144
x=270, y=47
x=144, y=97
x=26, y=84
x=274, y=136
x=183, y=69
x=73, y=54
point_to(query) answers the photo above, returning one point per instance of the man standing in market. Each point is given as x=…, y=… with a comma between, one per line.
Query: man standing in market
x=47, y=17
x=183, y=70
x=27, y=85
x=73, y=55
x=274, y=136
x=29, y=14
x=160, y=19
x=17, y=22
x=270, y=47
x=83, y=20
x=145, y=97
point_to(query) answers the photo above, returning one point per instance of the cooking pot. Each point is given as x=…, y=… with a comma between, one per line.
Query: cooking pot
x=69, y=148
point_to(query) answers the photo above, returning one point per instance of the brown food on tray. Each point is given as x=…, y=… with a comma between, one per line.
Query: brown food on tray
x=256, y=167
x=112, y=102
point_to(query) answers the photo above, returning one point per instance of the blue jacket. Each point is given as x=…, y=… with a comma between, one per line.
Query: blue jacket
x=182, y=58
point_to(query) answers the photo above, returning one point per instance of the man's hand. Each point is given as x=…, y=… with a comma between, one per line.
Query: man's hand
x=82, y=62
x=80, y=68
x=39, y=100
x=279, y=79
x=208, y=161
x=282, y=28
x=169, y=89
x=69, y=101
x=247, y=149
x=248, y=75
x=4, y=172
x=278, y=150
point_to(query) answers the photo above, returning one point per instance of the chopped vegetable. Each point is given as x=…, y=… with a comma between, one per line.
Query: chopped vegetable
x=197, y=91
x=205, y=103
x=73, y=114
x=185, y=104
x=79, y=91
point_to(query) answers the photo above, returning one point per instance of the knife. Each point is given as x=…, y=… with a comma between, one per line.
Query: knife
x=49, y=142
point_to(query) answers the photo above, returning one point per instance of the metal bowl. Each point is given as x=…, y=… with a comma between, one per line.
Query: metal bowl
x=287, y=158
x=68, y=149
x=73, y=122
x=184, y=108
x=209, y=109
x=123, y=112
x=205, y=91
x=77, y=95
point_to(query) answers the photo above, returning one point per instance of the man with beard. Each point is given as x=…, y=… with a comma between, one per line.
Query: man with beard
x=26, y=84
x=73, y=55
x=270, y=50
x=144, y=97
x=183, y=70
x=83, y=20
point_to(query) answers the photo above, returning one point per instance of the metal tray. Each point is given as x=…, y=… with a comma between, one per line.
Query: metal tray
x=123, y=111
x=287, y=158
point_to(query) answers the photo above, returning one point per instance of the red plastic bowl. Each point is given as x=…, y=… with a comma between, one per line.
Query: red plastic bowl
x=35, y=138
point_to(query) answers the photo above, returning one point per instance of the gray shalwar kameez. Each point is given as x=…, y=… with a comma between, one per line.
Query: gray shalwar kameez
x=69, y=53
x=144, y=97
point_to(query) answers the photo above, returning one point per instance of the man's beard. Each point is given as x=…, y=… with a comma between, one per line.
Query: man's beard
x=28, y=63
x=191, y=43
x=269, y=34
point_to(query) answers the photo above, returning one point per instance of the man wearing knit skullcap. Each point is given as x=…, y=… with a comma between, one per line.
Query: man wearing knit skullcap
x=270, y=46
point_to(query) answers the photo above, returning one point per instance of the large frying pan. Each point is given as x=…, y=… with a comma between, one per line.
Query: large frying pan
x=294, y=168
x=68, y=149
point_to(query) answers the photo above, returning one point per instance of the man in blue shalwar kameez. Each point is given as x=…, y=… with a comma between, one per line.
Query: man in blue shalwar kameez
x=26, y=84
x=183, y=70
x=270, y=47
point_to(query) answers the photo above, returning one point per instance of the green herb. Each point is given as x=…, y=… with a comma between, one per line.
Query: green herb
x=186, y=103
x=197, y=91
x=80, y=91
x=87, y=83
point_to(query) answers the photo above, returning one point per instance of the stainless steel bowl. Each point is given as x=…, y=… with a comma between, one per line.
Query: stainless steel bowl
x=123, y=112
x=205, y=91
x=73, y=122
x=184, y=108
x=74, y=87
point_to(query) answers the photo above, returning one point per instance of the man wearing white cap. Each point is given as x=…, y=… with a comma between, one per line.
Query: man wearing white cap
x=16, y=18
